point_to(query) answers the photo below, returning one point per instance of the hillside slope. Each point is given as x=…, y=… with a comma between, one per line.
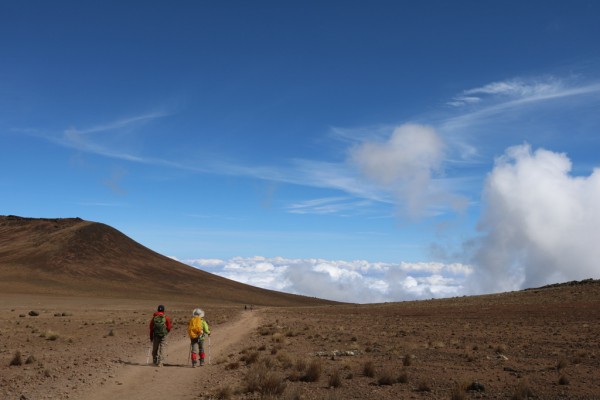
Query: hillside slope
x=71, y=256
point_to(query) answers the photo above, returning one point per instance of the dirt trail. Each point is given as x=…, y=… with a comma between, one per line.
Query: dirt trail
x=177, y=379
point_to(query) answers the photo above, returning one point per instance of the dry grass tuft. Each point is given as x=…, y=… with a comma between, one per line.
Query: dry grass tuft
x=458, y=393
x=17, y=359
x=30, y=360
x=335, y=380
x=224, y=393
x=51, y=335
x=369, y=369
x=386, y=378
x=232, y=365
x=313, y=372
x=500, y=349
x=403, y=377
x=285, y=359
x=562, y=364
x=423, y=387
x=250, y=357
x=522, y=391
x=278, y=337
x=563, y=380
x=407, y=361
x=262, y=380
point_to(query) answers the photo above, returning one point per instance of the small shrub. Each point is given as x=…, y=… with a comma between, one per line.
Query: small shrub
x=30, y=360
x=285, y=359
x=386, y=378
x=232, y=365
x=17, y=359
x=501, y=349
x=47, y=373
x=407, y=360
x=250, y=358
x=335, y=379
x=224, y=393
x=300, y=364
x=369, y=369
x=423, y=387
x=260, y=379
x=111, y=333
x=313, y=372
x=563, y=380
x=278, y=337
x=458, y=392
x=522, y=391
x=262, y=348
x=562, y=363
x=51, y=335
x=403, y=377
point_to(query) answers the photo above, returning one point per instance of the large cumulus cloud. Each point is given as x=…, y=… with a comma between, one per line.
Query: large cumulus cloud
x=540, y=223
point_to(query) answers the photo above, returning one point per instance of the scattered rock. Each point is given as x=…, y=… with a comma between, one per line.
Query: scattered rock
x=34, y=313
x=476, y=387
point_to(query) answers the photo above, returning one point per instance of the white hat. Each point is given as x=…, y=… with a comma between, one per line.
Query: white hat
x=199, y=312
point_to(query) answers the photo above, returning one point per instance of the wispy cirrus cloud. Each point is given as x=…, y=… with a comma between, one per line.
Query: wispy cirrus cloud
x=511, y=89
x=497, y=98
x=329, y=205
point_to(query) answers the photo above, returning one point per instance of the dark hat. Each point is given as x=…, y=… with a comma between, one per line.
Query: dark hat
x=161, y=308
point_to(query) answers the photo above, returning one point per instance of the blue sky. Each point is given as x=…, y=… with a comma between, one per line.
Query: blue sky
x=360, y=151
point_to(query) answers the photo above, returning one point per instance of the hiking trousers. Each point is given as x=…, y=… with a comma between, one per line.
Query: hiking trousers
x=159, y=349
x=197, y=349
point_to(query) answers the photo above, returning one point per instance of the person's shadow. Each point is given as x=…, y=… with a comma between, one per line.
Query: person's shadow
x=133, y=363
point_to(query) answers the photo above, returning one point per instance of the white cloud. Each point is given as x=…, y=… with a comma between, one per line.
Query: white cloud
x=540, y=223
x=357, y=281
x=514, y=89
x=406, y=165
x=329, y=205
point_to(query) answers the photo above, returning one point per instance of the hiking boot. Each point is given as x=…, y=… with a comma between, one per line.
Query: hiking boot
x=201, y=362
x=193, y=364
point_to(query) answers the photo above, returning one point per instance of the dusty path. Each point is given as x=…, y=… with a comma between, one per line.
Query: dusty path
x=137, y=380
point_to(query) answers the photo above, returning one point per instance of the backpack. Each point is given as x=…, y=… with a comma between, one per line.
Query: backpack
x=160, y=326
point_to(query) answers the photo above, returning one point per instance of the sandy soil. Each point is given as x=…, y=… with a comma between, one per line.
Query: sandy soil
x=138, y=380
x=542, y=343
x=80, y=348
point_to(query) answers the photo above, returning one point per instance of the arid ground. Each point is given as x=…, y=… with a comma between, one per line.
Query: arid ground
x=541, y=343
x=76, y=299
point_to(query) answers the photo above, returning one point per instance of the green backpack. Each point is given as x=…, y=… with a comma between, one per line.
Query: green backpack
x=160, y=326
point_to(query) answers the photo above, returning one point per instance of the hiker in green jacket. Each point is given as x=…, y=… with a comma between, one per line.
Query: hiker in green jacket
x=198, y=330
x=160, y=326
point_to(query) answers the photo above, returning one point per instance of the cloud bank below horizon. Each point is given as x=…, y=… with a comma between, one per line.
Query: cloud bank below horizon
x=539, y=227
x=349, y=281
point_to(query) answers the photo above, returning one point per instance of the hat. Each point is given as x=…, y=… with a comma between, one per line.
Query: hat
x=161, y=308
x=198, y=312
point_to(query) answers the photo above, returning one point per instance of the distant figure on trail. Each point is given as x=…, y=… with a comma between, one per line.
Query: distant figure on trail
x=198, y=330
x=160, y=326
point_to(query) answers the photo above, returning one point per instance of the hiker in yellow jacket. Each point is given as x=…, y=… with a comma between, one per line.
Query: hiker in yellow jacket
x=197, y=330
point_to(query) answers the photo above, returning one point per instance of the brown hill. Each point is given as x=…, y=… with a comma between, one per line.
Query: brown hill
x=75, y=257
